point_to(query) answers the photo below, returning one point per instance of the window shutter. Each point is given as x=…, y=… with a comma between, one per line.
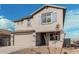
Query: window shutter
x=39, y=18
x=53, y=16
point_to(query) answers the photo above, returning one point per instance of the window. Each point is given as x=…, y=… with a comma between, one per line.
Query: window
x=54, y=16
x=49, y=17
x=52, y=37
x=28, y=22
x=43, y=18
x=46, y=17
x=55, y=36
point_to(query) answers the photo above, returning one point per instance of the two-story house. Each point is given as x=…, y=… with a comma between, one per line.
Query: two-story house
x=44, y=27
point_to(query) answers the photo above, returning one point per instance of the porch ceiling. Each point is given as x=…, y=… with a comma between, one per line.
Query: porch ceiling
x=46, y=31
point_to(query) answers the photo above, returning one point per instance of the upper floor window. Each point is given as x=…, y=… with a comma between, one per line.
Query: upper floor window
x=46, y=17
x=28, y=22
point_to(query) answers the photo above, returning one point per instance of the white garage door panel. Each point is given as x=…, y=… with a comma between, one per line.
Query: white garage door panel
x=24, y=40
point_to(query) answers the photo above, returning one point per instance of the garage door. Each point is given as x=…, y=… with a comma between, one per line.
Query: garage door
x=24, y=40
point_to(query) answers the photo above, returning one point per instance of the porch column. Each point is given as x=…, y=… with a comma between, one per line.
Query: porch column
x=12, y=39
x=62, y=35
x=38, y=39
x=47, y=38
x=9, y=41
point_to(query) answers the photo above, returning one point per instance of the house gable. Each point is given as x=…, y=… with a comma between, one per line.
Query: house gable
x=47, y=6
x=40, y=9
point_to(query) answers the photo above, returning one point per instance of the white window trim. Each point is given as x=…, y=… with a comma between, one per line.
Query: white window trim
x=46, y=20
x=51, y=19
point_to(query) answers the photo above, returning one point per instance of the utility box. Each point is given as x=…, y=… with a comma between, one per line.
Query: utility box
x=67, y=42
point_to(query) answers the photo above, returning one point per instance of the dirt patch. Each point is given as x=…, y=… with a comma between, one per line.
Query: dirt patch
x=47, y=50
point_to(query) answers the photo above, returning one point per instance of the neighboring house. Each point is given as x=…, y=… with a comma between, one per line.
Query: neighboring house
x=43, y=28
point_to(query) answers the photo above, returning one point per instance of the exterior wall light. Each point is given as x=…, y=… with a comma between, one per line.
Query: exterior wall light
x=34, y=34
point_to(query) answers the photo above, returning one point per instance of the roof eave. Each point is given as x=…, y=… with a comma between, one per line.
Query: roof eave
x=64, y=13
x=31, y=16
x=53, y=6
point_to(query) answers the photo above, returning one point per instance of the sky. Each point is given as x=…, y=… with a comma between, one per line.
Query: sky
x=6, y=24
x=17, y=11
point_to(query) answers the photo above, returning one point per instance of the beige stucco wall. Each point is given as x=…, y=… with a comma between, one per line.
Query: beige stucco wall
x=36, y=22
x=22, y=25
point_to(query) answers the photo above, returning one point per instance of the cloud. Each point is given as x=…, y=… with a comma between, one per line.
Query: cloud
x=6, y=24
x=72, y=23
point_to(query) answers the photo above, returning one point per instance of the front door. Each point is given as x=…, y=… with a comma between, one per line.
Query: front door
x=43, y=39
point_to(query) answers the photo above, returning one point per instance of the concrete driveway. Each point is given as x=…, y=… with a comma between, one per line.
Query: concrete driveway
x=9, y=49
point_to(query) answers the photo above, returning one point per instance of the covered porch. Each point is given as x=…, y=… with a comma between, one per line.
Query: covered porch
x=44, y=38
